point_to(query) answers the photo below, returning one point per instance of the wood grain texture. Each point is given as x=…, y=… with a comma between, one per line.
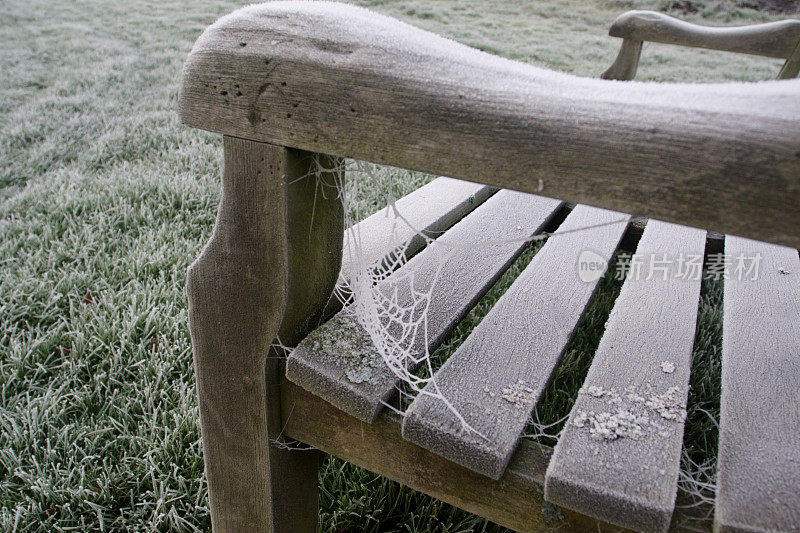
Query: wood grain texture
x=514, y=350
x=258, y=278
x=771, y=39
x=645, y=351
x=341, y=80
x=514, y=501
x=429, y=210
x=339, y=362
x=758, y=469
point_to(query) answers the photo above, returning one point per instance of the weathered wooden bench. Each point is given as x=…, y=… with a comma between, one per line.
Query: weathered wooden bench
x=286, y=83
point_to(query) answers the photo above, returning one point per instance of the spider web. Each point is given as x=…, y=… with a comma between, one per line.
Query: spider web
x=391, y=304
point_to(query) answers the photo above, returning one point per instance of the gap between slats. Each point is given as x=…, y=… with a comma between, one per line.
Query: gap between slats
x=558, y=398
x=697, y=478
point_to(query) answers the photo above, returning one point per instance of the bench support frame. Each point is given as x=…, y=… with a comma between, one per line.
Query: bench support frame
x=260, y=278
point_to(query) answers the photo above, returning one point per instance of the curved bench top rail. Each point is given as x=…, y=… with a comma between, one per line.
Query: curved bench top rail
x=339, y=79
x=771, y=39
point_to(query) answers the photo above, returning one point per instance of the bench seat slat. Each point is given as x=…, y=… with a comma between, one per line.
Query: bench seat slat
x=430, y=210
x=628, y=476
x=339, y=362
x=758, y=469
x=513, y=350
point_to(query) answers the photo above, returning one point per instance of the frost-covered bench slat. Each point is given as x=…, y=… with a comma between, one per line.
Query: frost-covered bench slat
x=618, y=457
x=425, y=212
x=496, y=377
x=338, y=361
x=758, y=470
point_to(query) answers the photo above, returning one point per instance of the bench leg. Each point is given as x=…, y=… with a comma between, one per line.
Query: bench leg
x=241, y=298
x=626, y=63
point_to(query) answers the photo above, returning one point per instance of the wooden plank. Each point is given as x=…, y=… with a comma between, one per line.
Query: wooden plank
x=495, y=378
x=339, y=361
x=758, y=467
x=513, y=501
x=627, y=474
x=428, y=211
x=342, y=80
x=771, y=39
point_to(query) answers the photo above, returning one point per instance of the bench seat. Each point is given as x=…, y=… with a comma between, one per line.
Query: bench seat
x=618, y=457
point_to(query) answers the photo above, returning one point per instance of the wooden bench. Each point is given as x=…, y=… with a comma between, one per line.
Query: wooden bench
x=286, y=83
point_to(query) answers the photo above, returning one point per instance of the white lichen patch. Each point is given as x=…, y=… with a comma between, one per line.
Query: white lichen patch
x=627, y=414
x=597, y=392
x=611, y=426
x=668, y=405
x=344, y=342
x=633, y=396
x=667, y=367
x=519, y=394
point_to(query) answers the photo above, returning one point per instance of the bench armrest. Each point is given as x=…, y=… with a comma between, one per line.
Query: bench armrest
x=339, y=79
x=771, y=39
x=779, y=39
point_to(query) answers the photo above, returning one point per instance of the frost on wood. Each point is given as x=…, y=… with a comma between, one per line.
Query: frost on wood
x=380, y=331
x=383, y=334
x=352, y=26
x=396, y=301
